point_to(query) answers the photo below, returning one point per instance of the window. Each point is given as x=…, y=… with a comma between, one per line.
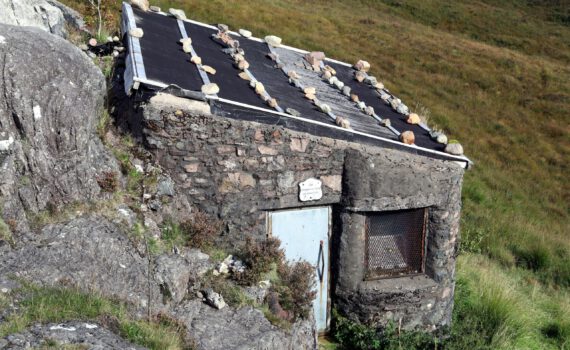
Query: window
x=395, y=243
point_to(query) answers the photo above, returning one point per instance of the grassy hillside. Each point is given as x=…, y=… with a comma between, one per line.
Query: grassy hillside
x=494, y=74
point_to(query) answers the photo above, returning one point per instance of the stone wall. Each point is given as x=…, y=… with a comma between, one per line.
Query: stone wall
x=239, y=169
x=236, y=169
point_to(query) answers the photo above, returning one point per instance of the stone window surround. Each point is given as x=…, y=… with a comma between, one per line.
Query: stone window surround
x=352, y=222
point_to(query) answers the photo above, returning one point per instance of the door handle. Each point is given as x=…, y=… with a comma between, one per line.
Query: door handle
x=321, y=262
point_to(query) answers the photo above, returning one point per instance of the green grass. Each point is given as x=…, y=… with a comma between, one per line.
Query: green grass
x=106, y=64
x=494, y=309
x=233, y=294
x=45, y=305
x=5, y=231
x=103, y=124
x=500, y=308
x=496, y=76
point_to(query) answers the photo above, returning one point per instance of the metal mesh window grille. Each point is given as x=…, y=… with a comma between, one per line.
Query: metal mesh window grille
x=395, y=243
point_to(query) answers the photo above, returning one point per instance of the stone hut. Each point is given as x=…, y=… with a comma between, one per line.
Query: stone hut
x=281, y=142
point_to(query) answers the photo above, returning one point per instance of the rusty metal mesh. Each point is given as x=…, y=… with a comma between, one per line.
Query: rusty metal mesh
x=395, y=243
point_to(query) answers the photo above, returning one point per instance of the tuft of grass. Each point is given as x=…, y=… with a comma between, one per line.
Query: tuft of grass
x=45, y=305
x=103, y=35
x=5, y=232
x=106, y=64
x=232, y=293
x=505, y=308
x=173, y=235
x=135, y=183
x=536, y=257
x=217, y=254
x=103, y=124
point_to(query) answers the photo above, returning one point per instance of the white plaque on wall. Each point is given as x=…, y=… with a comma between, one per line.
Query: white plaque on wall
x=310, y=190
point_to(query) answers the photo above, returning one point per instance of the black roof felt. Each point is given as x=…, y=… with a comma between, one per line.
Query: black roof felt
x=166, y=63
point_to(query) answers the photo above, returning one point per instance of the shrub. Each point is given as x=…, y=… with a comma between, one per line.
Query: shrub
x=103, y=124
x=293, y=284
x=296, y=288
x=355, y=336
x=108, y=181
x=199, y=232
x=258, y=258
x=202, y=230
x=233, y=295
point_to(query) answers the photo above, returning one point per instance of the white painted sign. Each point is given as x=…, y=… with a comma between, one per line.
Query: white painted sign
x=310, y=190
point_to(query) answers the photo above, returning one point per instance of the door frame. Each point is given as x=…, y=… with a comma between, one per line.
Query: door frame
x=268, y=233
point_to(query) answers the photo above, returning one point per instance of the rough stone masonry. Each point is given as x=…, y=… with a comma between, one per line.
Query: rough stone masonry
x=238, y=170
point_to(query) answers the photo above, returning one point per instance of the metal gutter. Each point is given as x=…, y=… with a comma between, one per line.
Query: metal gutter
x=461, y=159
x=134, y=63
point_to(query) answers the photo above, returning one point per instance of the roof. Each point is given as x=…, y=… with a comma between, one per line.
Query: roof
x=158, y=60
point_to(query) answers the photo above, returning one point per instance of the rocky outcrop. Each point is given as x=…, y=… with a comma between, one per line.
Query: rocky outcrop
x=84, y=335
x=72, y=17
x=93, y=254
x=34, y=13
x=51, y=97
x=244, y=328
x=90, y=253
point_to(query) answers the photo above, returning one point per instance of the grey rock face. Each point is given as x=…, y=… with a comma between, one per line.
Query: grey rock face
x=72, y=17
x=51, y=96
x=84, y=334
x=245, y=328
x=33, y=13
x=177, y=273
x=94, y=255
x=88, y=252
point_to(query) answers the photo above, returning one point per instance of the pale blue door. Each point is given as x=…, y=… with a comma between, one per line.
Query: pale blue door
x=304, y=234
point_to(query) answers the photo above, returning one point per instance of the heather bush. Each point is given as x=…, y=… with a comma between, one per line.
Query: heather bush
x=296, y=288
x=108, y=181
x=202, y=230
x=258, y=258
x=293, y=284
